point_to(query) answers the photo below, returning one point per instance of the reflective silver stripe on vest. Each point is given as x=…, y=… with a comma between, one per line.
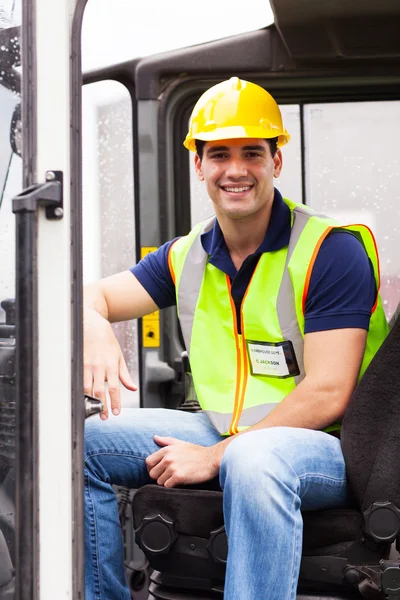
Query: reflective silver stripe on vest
x=286, y=302
x=190, y=283
x=249, y=416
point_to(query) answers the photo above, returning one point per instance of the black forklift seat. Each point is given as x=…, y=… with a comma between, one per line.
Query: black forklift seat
x=346, y=552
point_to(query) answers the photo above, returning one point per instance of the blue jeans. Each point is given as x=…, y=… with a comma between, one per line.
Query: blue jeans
x=266, y=475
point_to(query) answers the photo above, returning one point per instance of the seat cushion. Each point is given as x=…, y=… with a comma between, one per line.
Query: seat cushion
x=198, y=512
x=329, y=527
x=194, y=512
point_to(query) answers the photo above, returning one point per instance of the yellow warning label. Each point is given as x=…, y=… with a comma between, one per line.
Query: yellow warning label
x=146, y=250
x=154, y=316
x=151, y=333
x=151, y=322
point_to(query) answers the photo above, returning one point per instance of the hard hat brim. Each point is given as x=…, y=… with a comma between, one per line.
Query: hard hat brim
x=237, y=132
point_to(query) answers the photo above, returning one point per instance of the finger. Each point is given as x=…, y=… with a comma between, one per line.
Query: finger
x=166, y=441
x=153, y=459
x=125, y=377
x=165, y=476
x=99, y=389
x=113, y=390
x=172, y=482
x=159, y=471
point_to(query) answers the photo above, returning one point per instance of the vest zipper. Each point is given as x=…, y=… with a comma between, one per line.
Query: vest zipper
x=244, y=364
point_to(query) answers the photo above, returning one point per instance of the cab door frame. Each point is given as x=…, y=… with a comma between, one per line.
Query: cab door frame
x=50, y=408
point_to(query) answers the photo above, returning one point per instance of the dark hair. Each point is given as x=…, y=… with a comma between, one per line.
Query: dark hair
x=272, y=143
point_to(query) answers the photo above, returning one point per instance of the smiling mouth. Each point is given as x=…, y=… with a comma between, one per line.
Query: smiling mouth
x=236, y=189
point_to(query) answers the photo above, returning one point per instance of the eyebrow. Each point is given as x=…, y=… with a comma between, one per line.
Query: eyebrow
x=245, y=148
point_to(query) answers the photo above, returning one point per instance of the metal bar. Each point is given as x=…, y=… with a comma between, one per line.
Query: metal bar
x=26, y=407
x=28, y=104
x=77, y=406
x=27, y=463
x=303, y=156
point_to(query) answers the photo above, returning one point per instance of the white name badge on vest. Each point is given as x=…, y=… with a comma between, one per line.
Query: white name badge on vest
x=273, y=359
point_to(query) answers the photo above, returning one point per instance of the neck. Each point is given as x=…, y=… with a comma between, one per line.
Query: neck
x=244, y=236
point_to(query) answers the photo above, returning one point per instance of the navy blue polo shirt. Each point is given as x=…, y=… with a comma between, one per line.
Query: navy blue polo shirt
x=342, y=287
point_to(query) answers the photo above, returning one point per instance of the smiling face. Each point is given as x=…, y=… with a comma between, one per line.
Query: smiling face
x=239, y=176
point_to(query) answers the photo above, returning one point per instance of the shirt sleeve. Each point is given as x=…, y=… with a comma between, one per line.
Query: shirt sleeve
x=154, y=275
x=342, y=289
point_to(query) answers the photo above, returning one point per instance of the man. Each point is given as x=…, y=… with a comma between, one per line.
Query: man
x=280, y=315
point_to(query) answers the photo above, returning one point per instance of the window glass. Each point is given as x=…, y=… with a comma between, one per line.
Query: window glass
x=201, y=206
x=289, y=183
x=10, y=185
x=353, y=175
x=108, y=198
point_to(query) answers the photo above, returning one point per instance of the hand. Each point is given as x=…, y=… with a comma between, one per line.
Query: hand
x=103, y=361
x=183, y=463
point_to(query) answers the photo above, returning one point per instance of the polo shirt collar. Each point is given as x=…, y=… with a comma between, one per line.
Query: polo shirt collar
x=276, y=237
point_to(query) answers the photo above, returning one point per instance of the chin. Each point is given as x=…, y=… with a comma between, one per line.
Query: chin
x=239, y=214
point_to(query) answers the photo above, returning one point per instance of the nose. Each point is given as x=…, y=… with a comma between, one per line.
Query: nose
x=236, y=168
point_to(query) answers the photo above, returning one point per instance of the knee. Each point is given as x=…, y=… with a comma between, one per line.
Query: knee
x=99, y=452
x=255, y=456
x=99, y=436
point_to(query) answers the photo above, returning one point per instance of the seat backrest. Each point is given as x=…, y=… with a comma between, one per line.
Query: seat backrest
x=371, y=427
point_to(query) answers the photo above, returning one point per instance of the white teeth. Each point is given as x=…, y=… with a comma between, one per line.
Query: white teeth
x=237, y=189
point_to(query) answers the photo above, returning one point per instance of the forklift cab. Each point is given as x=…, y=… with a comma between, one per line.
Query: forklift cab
x=334, y=70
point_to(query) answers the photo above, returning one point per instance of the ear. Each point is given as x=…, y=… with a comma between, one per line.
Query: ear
x=278, y=162
x=199, y=167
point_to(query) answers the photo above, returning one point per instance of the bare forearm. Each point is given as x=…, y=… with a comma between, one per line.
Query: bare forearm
x=94, y=300
x=309, y=406
x=120, y=297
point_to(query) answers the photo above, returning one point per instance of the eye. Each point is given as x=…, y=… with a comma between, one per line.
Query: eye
x=219, y=155
x=253, y=154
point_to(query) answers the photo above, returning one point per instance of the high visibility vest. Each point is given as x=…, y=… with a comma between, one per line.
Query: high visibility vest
x=233, y=372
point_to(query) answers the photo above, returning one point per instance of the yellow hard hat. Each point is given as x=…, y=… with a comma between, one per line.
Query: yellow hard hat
x=235, y=109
